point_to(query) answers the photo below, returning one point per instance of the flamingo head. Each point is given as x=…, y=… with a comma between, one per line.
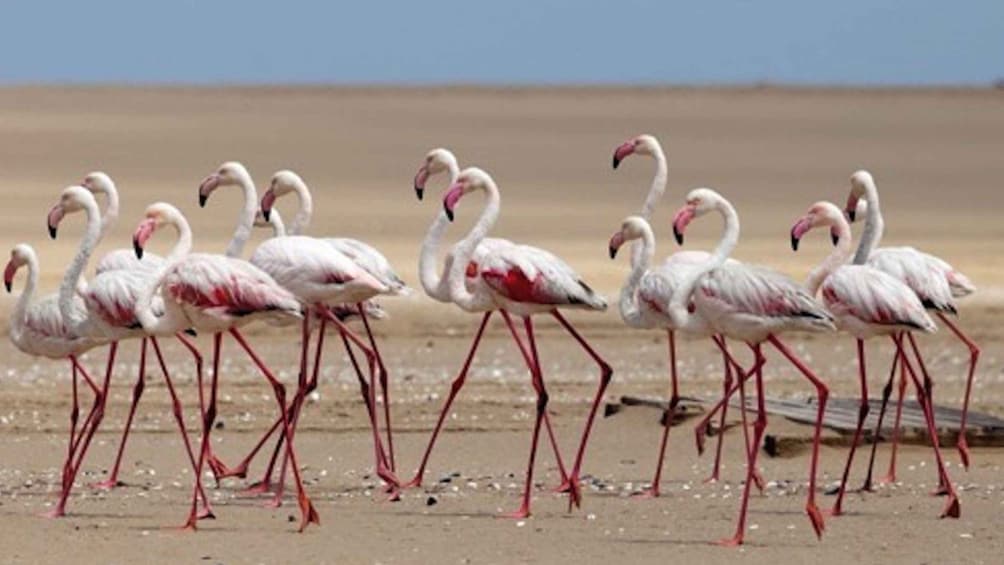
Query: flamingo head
x=469, y=180
x=229, y=173
x=860, y=181
x=98, y=181
x=632, y=228
x=436, y=161
x=72, y=199
x=641, y=145
x=18, y=258
x=819, y=214
x=700, y=201
x=282, y=183
x=156, y=215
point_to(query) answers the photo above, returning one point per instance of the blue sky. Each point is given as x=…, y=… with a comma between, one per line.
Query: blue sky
x=554, y=42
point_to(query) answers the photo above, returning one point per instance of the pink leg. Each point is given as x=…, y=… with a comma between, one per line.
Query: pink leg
x=952, y=508
x=726, y=386
x=748, y=442
x=458, y=383
x=862, y=414
x=383, y=385
x=901, y=393
x=606, y=373
x=886, y=393
x=974, y=357
x=822, y=392
x=667, y=417
x=538, y=385
x=307, y=512
x=137, y=392
x=927, y=403
x=533, y=365
x=208, y=419
x=701, y=428
x=758, y=429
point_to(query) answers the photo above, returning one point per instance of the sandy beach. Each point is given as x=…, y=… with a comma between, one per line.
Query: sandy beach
x=936, y=158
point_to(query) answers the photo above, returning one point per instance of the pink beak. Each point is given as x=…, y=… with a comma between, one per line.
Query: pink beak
x=622, y=151
x=801, y=227
x=8, y=274
x=453, y=195
x=55, y=216
x=208, y=185
x=616, y=241
x=421, y=177
x=267, y=202
x=142, y=235
x=681, y=220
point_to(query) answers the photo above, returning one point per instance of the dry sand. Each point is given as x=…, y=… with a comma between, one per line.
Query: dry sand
x=935, y=154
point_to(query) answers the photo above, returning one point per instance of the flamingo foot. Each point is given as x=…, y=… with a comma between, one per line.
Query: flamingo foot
x=816, y=517
x=221, y=471
x=191, y=524
x=388, y=476
x=107, y=484
x=57, y=512
x=257, y=489
x=308, y=512
x=523, y=512
x=888, y=479
x=963, y=447
x=206, y=514
x=952, y=509
x=867, y=486
x=734, y=541
x=647, y=493
x=834, y=512
x=758, y=481
x=942, y=490
x=274, y=502
x=414, y=483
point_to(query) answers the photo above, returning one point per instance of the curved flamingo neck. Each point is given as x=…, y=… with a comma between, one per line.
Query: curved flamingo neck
x=465, y=250
x=278, y=226
x=655, y=193
x=838, y=257
x=166, y=324
x=428, y=265
x=71, y=279
x=301, y=221
x=245, y=221
x=111, y=213
x=644, y=250
x=874, y=225
x=730, y=238
x=18, y=316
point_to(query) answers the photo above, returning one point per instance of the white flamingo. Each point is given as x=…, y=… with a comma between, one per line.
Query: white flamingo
x=526, y=281
x=753, y=304
x=865, y=302
x=218, y=294
x=39, y=328
x=435, y=282
x=99, y=182
x=641, y=315
x=937, y=285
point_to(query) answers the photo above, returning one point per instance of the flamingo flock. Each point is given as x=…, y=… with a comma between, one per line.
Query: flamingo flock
x=293, y=279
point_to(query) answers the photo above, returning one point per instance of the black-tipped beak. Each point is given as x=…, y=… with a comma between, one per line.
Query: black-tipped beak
x=851, y=214
x=449, y=213
x=202, y=200
x=617, y=162
x=794, y=242
x=191, y=332
x=7, y=285
x=613, y=252
x=835, y=238
x=419, y=192
x=677, y=235
x=52, y=232
x=266, y=213
x=137, y=248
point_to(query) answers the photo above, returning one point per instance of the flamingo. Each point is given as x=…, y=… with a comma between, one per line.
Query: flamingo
x=753, y=304
x=436, y=286
x=644, y=314
x=526, y=281
x=218, y=294
x=98, y=182
x=277, y=259
x=866, y=302
x=937, y=285
x=40, y=329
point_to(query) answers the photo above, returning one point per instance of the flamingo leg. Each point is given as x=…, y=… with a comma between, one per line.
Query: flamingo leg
x=822, y=392
x=208, y=419
x=758, y=429
x=701, y=428
x=538, y=385
x=455, y=386
x=216, y=466
x=179, y=418
x=667, y=418
x=750, y=445
x=606, y=373
x=532, y=365
x=974, y=356
x=137, y=392
x=952, y=508
x=91, y=424
x=886, y=393
x=307, y=511
x=726, y=386
x=862, y=414
x=383, y=385
x=890, y=476
x=927, y=402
